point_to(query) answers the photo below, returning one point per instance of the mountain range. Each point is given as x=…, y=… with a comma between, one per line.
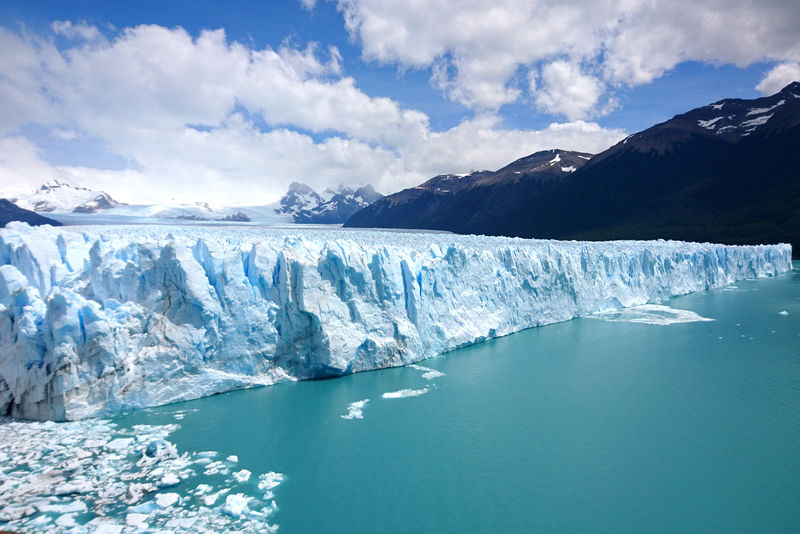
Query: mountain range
x=727, y=172
x=304, y=205
x=472, y=200
x=301, y=204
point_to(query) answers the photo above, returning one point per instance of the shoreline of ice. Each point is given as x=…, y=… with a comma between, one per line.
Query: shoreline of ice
x=97, y=320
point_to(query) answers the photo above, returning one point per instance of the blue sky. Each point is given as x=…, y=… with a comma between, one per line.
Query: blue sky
x=139, y=99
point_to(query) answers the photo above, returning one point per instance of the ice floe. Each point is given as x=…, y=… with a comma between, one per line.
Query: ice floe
x=356, y=410
x=428, y=373
x=405, y=393
x=93, y=476
x=655, y=314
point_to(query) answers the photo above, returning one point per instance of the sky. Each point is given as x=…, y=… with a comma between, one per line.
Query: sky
x=227, y=103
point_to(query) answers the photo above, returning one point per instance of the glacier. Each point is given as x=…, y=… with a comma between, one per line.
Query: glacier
x=95, y=320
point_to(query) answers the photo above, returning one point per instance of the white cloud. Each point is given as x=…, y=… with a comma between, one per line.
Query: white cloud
x=477, y=48
x=778, y=78
x=81, y=30
x=566, y=90
x=204, y=118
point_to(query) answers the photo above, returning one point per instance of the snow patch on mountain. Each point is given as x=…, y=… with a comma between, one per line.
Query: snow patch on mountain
x=761, y=111
x=758, y=121
x=709, y=124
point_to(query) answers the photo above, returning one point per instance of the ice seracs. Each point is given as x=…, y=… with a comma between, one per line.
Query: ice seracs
x=97, y=320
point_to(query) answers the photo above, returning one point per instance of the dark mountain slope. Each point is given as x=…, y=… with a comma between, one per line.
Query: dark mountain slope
x=460, y=202
x=11, y=212
x=675, y=182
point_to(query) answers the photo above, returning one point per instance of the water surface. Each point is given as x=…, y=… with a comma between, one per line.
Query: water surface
x=585, y=426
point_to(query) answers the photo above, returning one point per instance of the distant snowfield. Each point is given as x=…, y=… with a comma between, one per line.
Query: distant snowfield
x=95, y=320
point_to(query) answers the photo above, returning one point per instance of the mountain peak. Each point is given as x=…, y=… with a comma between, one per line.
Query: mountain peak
x=332, y=206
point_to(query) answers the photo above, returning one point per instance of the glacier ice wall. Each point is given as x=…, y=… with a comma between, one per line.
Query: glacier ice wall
x=96, y=320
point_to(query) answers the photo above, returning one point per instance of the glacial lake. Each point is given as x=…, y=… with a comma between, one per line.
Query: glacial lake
x=586, y=426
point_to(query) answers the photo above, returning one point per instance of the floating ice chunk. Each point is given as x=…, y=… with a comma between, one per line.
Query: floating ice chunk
x=119, y=444
x=145, y=508
x=783, y=312
x=232, y=458
x=165, y=500
x=429, y=374
x=215, y=468
x=159, y=448
x=133, y=520
x=235, y=504
x=107, y=528
x=655, y=314
x=270, y=480
x=242, y=476
x=355, y=410
x=170, y=479
x=66, y=521
x=202, y=489
x=405, y=393
x=63, y=508
x=569, y=168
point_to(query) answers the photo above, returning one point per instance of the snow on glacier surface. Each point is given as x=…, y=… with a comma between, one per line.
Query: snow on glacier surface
x=95, y=320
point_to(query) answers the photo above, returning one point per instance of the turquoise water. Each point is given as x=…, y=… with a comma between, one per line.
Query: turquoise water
x=585, y=426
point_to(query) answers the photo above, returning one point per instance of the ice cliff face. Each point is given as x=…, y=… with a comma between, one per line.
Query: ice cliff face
x=98, y=320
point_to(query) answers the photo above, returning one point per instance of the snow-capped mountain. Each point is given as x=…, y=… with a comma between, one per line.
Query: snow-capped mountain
x=304, y=205
x=60, y=197
x=469, y=198
x=728, y=120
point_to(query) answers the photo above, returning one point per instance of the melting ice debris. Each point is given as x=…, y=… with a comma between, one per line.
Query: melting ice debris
x=232, y=458
x=242, y=476
x=783, y=312
x=143, y=309
x=236, y=504
x=270, y=480
x=655, y=314
x=41, y=464
x=405, y=393
x=355, y=410
x=428, y=374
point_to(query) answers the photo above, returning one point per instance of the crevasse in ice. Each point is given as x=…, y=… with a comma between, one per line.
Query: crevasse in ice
x=96, y=320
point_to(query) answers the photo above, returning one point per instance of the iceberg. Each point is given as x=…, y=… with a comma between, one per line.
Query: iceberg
x=95, y=320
